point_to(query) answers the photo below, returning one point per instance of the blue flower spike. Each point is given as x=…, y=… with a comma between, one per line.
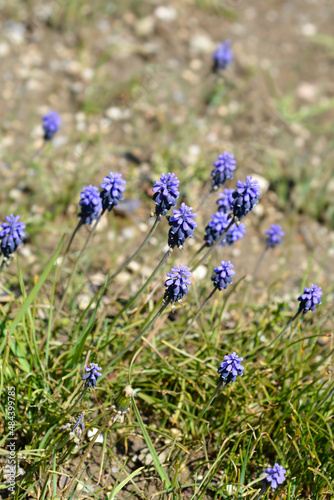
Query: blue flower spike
x=310, y=298
x=90, y=204
x=113, y=187
x=230, y=368
x=177, y=284
x=225, y=201
x=224, y=167
x=223, y=275
x=217, y=225
x=182, y=226
x=51, y=124
x=246, y=196
x=165, y=193
x=11, y=235
x=274, y=236
x=235, y=233
x=276, y=475
x=222, y=57
x=91, y=376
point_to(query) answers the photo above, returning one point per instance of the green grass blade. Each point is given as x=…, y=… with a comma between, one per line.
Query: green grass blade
x=14, y=345
x=151, y=448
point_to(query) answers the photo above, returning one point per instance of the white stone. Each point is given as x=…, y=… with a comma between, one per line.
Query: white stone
x=200, y=272
x=202, y=44
x=4, y=49
x=308, y=29
x=264, y=183
x=117, y=114
x=165, y=13
x=91, y=433
x=306, y=91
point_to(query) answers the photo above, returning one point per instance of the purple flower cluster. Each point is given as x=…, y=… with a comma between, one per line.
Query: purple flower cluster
x=182, y=226
x=246, y=196
x=222, y=56
x=310, y=298
x=219, y=222
x=51, y=124
x=225, y=201
x=223, y=275
x=112, y=187
x=165, y=193
x=177, y=283
x=235, y=233
x=79, y=424
x=274, y=236
x=230, y=368
x=11, y=235
x=91, y=375
x=223, y=170
x=90, y=204
x=276, y=475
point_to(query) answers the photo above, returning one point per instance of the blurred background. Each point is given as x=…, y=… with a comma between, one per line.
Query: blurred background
x=133, y=84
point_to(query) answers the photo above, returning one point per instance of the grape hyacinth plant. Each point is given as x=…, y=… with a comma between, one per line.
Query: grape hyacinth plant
x=228, y=371
x=90, y=204
x=230, y=368
x=51, y=124
x=224, y=167
x=92, y=374
x=218, y=226
x=245, y=197
x=165, y=196
x=235, y=233
x=165, y=193
x=274, y=236
x=177, y=283
x=223, y=275
x=222, y=57
x=182, y=226
x=176, y=287
x=113, y=187
x=11, y=236
x=215, y=228
x=310, y=299
x=275, y=477
x=225, y=201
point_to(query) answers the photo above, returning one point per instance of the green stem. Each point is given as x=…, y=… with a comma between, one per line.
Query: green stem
x=216, y=243
x=259, y=262
x=142, y=333
x=204, y=199
x=197, y=253
x=78, y=226
x=196, y=316
x=285, y=328
x=145, y=285
x=221, y=384
x=263, y=490
x=137, y=252
x=256, y=353
x=80, y=223
x=70, y=280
